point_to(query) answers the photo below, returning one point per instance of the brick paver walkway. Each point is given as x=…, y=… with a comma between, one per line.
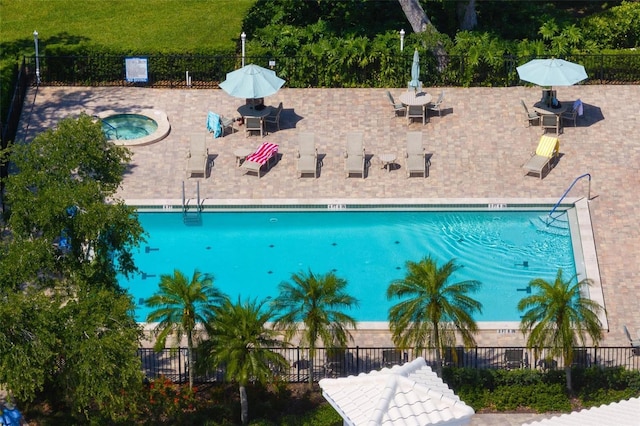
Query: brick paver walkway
x=478, y=147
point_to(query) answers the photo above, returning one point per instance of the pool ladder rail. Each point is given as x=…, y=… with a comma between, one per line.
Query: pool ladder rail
x=191, y=217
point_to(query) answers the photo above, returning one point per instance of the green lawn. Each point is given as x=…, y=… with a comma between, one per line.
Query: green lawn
x=135, y=25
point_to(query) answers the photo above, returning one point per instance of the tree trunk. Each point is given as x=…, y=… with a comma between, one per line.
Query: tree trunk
x=190, y=358
x=467, y=17
x=436, y=339
x=420, y=23
x=567, y=373
x=244, y=405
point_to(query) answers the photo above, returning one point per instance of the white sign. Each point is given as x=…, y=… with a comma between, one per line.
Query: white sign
x=136, y=70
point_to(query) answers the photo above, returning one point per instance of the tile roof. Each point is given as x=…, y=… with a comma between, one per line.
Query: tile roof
x=411, y=394
x=623, y=413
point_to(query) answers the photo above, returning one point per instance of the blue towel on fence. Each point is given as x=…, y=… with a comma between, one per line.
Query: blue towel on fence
x=213, y=124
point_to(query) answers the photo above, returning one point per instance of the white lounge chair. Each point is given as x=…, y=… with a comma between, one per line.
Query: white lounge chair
x=354, y=156
x=307, y=155
x=417, y=162
x=263, y=155
x=198, y=156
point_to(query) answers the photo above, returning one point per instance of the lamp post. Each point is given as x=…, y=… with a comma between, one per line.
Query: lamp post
x=401, y=40
x=243, y=36
x=35, y=40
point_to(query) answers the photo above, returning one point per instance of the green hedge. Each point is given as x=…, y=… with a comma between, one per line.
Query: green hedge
x=504, y=390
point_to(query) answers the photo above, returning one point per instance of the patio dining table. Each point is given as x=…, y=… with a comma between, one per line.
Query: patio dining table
x=543, y=109
x=254, y=111
x=411, y=97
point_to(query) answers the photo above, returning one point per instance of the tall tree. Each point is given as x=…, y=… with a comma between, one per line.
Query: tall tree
x=558, y=316
x=313, y=305
x=179, y=304
x=431, y=308
x=66, y=240
x=241, y=343
x=420, y=23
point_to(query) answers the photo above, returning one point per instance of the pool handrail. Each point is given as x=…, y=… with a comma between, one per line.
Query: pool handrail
x=565, y=194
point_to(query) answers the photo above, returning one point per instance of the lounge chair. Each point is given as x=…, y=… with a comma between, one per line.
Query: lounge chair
x=436, y=107
x=546, y=154
x=398, y=108
x=253, y=124
x=417, y=162
x=513, y=358
x=274, y=116
x=307, y=155
x=198, y=156
x=355, y=157
x=263, y=155
x=532, y=117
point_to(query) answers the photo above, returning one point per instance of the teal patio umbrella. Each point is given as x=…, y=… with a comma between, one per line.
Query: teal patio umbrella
x=415, y=70
x=552, y=72
x=252, y=82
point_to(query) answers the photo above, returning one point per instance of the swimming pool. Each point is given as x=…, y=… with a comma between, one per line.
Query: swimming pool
x=250, y=253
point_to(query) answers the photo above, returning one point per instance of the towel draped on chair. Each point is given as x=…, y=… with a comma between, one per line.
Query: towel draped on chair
x=578, y=107
x=263, y=153
x=213, y=124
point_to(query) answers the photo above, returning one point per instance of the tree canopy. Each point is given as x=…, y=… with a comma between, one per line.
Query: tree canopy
x=67, y=326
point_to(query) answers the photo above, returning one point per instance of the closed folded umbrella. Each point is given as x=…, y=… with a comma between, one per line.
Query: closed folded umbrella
x=552, y=72
x=415, y=70
x=251, y=82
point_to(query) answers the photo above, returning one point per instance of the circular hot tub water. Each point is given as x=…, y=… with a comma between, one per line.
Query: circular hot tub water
x=135, y=127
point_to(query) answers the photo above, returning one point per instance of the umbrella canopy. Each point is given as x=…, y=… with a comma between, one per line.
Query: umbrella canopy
x=552, y=72
x=251, y=82
x=415, y=70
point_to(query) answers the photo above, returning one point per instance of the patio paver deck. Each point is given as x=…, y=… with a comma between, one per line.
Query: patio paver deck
x=477, y=150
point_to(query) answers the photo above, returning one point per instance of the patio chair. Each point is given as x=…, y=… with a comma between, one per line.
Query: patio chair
x=436, y=107
x=417, y=162
x=214, y=124
x=453, y=357
x=572, y=115
x=513, y=358
x=354, y=156
x=307, y=155
x=265, y=154
x=336, y=363
x=635, y=344
x=546, y=154
x=398, y=108
x=391, y=357
x=253, y=124
x=274, y=116
x=227, y=124
x=198, y=156
x=532, y=117
x=550, y=122
x=416, y=111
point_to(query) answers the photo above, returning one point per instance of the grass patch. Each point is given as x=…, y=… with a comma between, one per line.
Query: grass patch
x=139, y=26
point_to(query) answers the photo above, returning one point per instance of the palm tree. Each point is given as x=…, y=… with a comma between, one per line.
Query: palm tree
x=241, y=343
x=431, y=308
x=317, y=303
x=180, y=304
x=558, y=317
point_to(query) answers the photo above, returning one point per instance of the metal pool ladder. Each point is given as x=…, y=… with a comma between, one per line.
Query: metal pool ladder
x=191, y=217
x=549, y=222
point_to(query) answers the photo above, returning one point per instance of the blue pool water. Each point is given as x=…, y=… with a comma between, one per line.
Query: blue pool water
x=249, y=254
x=128, y=126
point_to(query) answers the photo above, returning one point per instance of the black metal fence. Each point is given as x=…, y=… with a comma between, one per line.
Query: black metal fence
x=352, y=361
x=206, y=71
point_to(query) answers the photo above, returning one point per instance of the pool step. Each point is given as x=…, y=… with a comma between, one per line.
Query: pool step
x=557, y=225
x=192, y=218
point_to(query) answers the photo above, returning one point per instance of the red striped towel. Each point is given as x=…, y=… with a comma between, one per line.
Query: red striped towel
x=263, y=153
